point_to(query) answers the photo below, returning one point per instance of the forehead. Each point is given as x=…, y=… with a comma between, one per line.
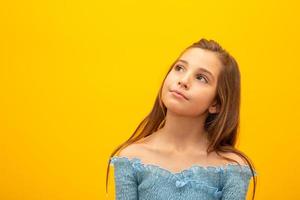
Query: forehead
x=197, y=57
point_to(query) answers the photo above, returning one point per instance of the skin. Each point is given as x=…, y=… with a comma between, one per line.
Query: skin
x=183, y=137
x=184, y=128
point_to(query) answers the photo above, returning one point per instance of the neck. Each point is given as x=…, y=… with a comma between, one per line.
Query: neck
x=182, y=133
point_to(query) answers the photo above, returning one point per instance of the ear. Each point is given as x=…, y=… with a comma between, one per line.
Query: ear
x=214, y=108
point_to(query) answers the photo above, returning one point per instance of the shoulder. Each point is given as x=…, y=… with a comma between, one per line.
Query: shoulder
x=235, y=157
x=130, y=151
x=125, y=154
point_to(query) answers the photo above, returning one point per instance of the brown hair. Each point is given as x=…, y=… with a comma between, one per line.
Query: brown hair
x=222, y=126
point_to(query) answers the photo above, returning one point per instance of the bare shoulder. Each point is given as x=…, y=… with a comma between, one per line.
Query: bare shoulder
x=140, y=148
x=235, y=157
x=131, y=151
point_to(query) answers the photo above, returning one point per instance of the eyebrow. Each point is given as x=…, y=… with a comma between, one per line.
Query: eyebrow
x=200, y=68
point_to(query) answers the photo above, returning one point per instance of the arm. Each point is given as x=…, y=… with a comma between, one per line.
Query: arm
x=125, y=179
x=236, y=184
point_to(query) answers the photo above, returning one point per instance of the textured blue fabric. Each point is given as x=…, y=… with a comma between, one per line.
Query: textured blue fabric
x=135, y=180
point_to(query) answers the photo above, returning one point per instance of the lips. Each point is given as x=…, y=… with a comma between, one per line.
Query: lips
x=180, y=93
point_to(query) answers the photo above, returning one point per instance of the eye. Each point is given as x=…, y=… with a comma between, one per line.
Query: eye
x=177, y=67
x=203, y=78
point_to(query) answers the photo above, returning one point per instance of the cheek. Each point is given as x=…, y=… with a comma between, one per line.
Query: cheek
x=168, y=83
x=202, y=97
x=165, y=90
x=201, y=94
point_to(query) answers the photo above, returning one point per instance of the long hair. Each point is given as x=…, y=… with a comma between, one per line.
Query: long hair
x=222, y=127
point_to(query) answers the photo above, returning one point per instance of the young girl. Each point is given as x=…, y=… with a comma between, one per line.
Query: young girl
x=185, y=148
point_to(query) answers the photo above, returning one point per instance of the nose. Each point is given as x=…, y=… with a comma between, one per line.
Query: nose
x=184, y=81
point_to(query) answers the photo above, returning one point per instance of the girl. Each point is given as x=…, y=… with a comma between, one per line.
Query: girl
x=185, y=148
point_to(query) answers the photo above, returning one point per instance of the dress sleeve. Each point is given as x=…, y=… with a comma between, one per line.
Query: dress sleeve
x=125, y=179
x=236, y=183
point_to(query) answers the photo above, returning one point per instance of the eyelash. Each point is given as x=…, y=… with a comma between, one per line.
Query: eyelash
x=178, y=66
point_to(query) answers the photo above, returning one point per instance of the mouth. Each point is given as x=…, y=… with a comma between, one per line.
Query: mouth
x=180, y=94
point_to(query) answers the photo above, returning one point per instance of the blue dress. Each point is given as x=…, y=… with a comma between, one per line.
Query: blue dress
x=135, y=180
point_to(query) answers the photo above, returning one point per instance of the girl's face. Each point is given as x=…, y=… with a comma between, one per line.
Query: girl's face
x=195, y=76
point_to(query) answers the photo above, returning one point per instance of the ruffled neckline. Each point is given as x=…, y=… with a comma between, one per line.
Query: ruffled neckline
x=137, y=163
x=186, y=176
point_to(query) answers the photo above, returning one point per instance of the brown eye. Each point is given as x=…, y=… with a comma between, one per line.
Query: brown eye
x=203, y=78
x=178, y=67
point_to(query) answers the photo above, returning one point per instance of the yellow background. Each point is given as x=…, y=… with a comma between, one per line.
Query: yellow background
x=76, y=78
